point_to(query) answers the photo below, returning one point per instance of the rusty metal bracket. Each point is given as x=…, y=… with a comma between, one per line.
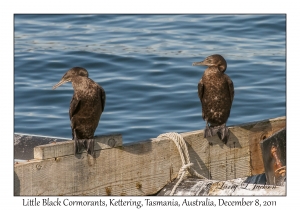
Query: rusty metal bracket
x=274, y=157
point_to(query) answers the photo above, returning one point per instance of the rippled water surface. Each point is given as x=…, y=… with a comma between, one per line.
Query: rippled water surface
x=144, y=63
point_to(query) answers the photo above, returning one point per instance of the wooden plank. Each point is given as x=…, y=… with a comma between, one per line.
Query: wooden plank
x=136, y=169
x=141, y=168
x=67, y=148
x=240, y=157
x=25, y=143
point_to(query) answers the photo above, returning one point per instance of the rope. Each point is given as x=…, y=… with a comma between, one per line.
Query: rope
x=185, y=158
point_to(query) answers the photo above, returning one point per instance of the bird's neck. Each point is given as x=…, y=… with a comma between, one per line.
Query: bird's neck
x=212, y=70
x=80, y=85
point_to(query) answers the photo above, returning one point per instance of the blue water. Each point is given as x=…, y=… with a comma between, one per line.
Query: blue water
x=144, y=63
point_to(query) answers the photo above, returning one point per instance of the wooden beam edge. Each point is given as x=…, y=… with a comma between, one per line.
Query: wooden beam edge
x=65, y=148
x=39, y=151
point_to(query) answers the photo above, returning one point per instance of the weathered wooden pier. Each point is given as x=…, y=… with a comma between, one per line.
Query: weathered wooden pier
x=142, y=168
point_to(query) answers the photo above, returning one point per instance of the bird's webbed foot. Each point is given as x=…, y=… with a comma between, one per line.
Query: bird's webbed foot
x=89, y=145
x=207, y=131
x=223, y=133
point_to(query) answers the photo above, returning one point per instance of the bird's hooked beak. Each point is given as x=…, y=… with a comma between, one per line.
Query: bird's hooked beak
x=206, y=62
x=62, y=81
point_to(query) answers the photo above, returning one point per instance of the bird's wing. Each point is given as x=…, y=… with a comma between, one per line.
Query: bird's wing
x=231, y=88
x=102, y=97
x=200, y=89
x=74, y=107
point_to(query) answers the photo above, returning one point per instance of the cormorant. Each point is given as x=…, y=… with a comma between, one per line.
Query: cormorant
x=216, y=93
x=86, y=107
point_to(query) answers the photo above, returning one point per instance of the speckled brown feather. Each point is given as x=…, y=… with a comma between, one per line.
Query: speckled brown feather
x=86, y=107
x=215, y=91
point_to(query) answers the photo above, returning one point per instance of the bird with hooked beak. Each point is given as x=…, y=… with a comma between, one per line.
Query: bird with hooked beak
x=86, y=107
x=216, y=93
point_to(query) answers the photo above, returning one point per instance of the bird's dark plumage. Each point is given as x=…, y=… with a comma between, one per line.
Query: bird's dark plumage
x=216, y=93
x=86, y=107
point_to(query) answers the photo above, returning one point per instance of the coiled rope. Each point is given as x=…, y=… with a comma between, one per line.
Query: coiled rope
x=185, y=158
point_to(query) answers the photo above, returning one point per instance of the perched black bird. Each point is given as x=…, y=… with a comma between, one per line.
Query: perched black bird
x=86, y=107
x=216, y=93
